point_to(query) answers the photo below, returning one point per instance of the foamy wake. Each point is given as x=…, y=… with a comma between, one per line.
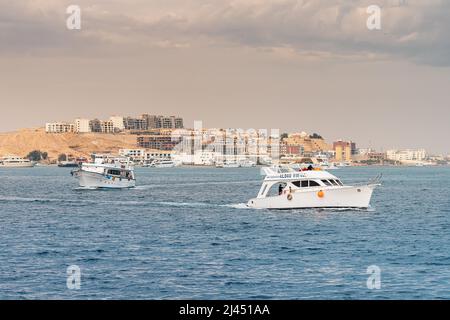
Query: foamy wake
x=237, y=206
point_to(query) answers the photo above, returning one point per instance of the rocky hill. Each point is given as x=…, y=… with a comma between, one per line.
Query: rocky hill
x=22, y=142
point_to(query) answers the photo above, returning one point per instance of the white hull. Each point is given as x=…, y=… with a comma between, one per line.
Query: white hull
x=168, y=165
x=17, y=165
x=333, y=197
x=96, y=180
x=230, y=165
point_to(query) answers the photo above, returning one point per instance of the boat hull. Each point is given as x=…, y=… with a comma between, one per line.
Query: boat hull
x=95, y=180
x=343, y=197
x=17, y=165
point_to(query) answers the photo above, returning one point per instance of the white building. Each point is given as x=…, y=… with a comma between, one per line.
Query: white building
x=82, y=126
x=59, y=127
x=135, y=154
x=206, y=158
x=107, y=126
x=145, y=155
x=158, y=154
x=407, y=155
x=117, y=123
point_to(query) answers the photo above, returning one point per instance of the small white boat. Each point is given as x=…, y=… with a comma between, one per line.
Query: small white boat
x=309, y=189
x=231, y=165
x=105, y=174
x=247, y=163
x=343, y=164
x=162, y=163
x=15, y=162
x=328, y=166
x=219, y=164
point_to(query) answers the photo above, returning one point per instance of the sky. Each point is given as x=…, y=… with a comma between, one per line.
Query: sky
x=293, y=65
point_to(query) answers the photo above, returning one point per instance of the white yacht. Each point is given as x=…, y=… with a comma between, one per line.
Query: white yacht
x=162, y=163
x=247, y=163
x=309, y=189
x=328, y=166
x=106, y=173
x=230, y=164
x=15, y=162
x=343, y=164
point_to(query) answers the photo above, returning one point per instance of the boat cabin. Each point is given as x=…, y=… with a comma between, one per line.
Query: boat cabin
x=291, y=180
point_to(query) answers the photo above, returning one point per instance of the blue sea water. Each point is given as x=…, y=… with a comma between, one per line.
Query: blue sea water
x=184, y=233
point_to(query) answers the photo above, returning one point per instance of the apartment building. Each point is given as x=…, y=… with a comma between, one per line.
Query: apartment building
x=139, y=124
x=163, y=122
x=406, y=155
x=59, y=127
x=95, y=125
x=159, y=142
x=118, y=123
x=82, y=126
x=344, y=150
x=107, y=126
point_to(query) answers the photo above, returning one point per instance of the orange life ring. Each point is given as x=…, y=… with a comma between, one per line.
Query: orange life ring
x=321, y=194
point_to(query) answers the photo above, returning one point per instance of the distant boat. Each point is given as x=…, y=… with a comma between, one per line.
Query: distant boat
x=343, y=164
x=161, y=163
x=247, y=164
x=227, y=164
x=15, y=162
x=328, y=166
x=104, y=173
x=68, y=164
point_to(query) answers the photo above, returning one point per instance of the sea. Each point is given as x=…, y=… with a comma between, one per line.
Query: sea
x=185, y=233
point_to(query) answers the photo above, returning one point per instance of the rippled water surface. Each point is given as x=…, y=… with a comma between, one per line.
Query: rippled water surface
x=184, y=233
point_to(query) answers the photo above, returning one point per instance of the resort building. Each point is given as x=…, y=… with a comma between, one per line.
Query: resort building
x=95, y=125
x=344, y=150
x=107, y=126
x=82, y=126
x=144, y=155
x=117, y=123
x=159, y=142
x=59, y=127
x=138, y=124
x=134, y=154
x=157, y=154
x=407, y=155
x=163, y=122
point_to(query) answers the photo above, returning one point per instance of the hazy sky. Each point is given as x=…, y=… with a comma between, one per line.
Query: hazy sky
x=296, y=65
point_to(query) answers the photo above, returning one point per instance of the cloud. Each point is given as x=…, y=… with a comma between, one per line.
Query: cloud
x=414, y=30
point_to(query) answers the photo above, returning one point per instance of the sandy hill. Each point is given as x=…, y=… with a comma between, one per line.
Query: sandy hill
x=22, y=142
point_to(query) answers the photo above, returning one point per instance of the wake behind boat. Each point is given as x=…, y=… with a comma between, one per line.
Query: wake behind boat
x=106, y=173
x=310, y=189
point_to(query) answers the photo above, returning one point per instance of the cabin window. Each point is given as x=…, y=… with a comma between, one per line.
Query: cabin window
x=326, y=182
x=274, y=190
x=339, y=182
x=114, y=172
x=305, y=184
x=313, y=183
x=264, y=189
x=296, y=183
x=334, y=182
